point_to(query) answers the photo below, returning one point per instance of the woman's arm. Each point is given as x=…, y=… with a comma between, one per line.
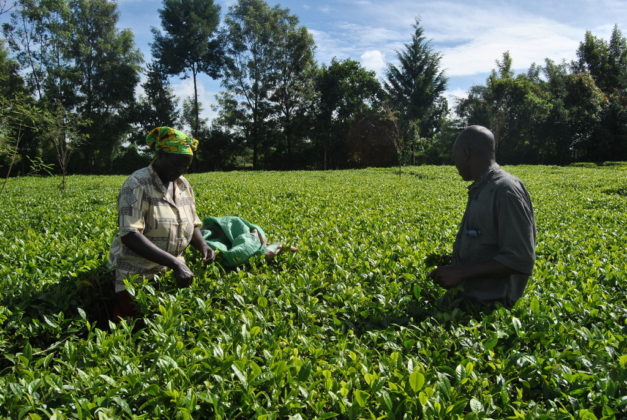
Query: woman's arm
x=139, y=244
x=208, y=254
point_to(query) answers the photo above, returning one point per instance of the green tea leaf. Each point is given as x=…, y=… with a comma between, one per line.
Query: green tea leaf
x=416, y=380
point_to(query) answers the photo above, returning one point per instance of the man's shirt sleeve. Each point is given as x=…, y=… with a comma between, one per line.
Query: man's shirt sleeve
x=516, y=229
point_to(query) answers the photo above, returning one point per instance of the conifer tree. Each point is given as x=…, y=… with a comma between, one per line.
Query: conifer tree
x=415, y=86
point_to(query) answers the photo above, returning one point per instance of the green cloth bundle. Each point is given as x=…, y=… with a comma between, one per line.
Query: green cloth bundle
x=232, y=237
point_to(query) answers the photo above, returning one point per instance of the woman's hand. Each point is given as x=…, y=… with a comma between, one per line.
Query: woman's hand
x=208, y=254
x=183, y=275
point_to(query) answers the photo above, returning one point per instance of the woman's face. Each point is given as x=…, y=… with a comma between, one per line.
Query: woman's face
x=171, y=166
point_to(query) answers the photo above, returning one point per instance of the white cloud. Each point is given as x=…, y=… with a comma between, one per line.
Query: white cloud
x=453, y=96
x=527, y=41
x=373, y=60
x=471, y=35
x=329, y=46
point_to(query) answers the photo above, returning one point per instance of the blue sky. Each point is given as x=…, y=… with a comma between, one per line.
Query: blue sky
x=470, y=34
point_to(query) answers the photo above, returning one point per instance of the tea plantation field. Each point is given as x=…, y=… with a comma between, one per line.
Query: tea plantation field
x=345, y=328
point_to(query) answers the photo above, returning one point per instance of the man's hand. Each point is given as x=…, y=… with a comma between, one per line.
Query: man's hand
x=183, y=275
x=448, y=276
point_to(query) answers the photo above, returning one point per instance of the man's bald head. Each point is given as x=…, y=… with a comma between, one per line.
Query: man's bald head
x=478, y=140
x=473, y=152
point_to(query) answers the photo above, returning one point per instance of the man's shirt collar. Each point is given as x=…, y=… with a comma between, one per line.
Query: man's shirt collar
x=484, y=178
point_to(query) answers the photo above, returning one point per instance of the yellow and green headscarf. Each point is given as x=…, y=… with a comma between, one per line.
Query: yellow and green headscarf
x=170, y=140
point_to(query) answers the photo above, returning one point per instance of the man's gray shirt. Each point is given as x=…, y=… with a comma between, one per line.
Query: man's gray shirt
x=498, y=225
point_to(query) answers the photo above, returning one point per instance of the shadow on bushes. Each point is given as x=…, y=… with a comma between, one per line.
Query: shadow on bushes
x=427, y=303
x=49, y=316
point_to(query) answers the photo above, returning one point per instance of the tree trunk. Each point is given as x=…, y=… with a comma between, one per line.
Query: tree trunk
x=196, y=123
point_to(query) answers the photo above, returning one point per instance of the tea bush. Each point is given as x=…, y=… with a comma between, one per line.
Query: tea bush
x=345, y=328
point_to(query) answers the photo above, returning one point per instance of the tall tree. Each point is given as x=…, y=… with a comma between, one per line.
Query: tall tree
x=38, y=33
x=5, y=6
x=190, y=43
x=12, y=93
x=108, y=67
x=10, y=80
x=576, y=108
x=508, y=104
x=605, y=61
x=76, y=60
x=249, y=74
x=293, y=89
x=268, y=79
x=415, y=86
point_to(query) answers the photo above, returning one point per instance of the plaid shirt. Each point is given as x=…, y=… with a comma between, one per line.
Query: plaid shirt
x=144, y=207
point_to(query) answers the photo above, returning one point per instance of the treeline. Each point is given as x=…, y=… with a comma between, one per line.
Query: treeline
x=68, y=78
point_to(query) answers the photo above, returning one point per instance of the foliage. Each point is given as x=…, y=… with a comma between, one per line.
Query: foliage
x=190, y=43
x=268, y=77
x=373, y=140
x=345, y=90
x=346, y=328
x=73, y=56
x=560, y=112
x=606, y=62
x=414, y=88
x=11, y=95
x=108, y=63
x=293, y=91
x=10, y=80
x=158, y=106
x=279, y=108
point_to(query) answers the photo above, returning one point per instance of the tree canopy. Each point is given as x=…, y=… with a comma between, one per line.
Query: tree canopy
x=76, y=99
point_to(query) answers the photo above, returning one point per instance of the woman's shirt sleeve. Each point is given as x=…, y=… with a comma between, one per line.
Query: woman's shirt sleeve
x=131, y=214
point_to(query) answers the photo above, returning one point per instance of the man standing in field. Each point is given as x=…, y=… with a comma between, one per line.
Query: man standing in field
x=494, y=251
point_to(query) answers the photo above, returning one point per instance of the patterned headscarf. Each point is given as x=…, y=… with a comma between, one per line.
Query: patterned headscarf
x=170, y=140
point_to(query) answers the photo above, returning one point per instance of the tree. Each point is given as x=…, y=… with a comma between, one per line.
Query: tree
x=38, y=34
x=249, y=73
x=513, y=107
x=373, y=140
x=15, y=120
x=158, y=106
x=414, y=88
x=344, y=90
x=10, y=80
x=575, y=112
x=107, y=64
x=63, y=129
x=74, y=57
x=606, y=62
x=293, y=89
x=190, y=44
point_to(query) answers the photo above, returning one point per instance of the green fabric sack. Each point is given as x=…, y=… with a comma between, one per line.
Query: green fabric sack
x=231, y=236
